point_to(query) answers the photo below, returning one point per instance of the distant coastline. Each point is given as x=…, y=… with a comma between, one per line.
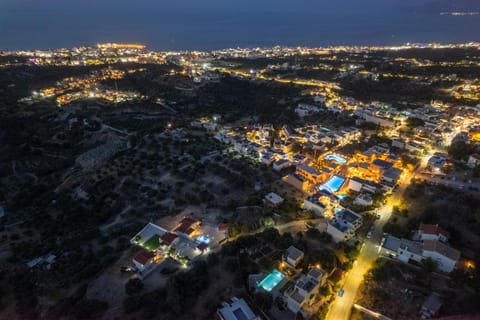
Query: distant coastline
x=468, y=13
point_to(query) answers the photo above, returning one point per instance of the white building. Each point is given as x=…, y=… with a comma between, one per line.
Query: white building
x=273, y=199
x=314, y=204
x=446, y=257
x=407, y=250
x=363, y=199
x=305, y=289
x=344, y=225
x=402, y=249
x=293, y=256
x=238, y=309
x=281, y=164
x=359, y=184
x=143, y=260
x=432, y=232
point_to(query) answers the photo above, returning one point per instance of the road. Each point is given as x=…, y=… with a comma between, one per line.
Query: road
x=341, y=307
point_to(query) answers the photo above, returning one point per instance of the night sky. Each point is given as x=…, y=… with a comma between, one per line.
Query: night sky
x=213, y=24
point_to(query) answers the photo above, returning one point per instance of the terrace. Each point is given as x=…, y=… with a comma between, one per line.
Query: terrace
x=153, y=243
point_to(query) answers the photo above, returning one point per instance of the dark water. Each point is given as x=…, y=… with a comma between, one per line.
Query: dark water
x=213, y=24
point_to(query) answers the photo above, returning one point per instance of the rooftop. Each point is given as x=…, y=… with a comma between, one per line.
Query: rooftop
x=411, y=246
x=294, y=253
x=237, y=310
x=433, y=229
x=441, y=248
x=168, y=238
x=316, y=273
x=185, y=225
x=391, y=243
x=382, y=164
x=308, y=169
x=274, y=198
x=143, y=257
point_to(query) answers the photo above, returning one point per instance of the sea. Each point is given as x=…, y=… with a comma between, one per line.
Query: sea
x=215, y=24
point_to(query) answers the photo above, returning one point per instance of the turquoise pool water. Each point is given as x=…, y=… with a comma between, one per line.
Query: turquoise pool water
x=271, y=281
x=333, y=184
x=335, y=157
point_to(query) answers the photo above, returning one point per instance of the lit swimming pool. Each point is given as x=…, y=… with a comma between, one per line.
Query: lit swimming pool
x=342, y=196
x=333, y=184
x=203, y=239
x=335, y=157
x=271, y=281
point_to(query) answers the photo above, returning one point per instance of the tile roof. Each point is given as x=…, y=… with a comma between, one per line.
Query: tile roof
x=433, y=229
x=442, y=249
x=168, y=238
x=185, y=225
x=143, y=257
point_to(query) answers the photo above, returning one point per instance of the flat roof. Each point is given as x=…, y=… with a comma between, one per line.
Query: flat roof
x=411, y=246
x=308, y=169
x=382, y=163
x=348, y=215
x=294, y=252
x=237, y=310
x=391, y=243
x=274, y=198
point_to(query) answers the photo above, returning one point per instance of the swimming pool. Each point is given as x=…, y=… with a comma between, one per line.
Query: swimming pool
x=271, y=281
x=335, y=157
x=342, y=196
x=333, y=184
x=203, y=239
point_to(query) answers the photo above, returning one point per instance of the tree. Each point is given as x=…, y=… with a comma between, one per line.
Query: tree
x=414, y=122
x=264, y=300
x=132, y=304
x=90, y=308
x=324, y=291
x=429, y=265
x=459, y=150
x=133, y=286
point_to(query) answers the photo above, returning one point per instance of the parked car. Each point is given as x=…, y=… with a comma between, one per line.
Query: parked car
x=341, y=292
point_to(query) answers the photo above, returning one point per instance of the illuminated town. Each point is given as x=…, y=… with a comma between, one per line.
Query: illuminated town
x=336, y=182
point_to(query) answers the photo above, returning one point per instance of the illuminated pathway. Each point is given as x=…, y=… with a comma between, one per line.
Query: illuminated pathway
x=341, y=307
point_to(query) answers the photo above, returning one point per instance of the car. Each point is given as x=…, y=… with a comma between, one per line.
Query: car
x=377, y=216
x=341, y=292
x=369, y=234
x=125, y=269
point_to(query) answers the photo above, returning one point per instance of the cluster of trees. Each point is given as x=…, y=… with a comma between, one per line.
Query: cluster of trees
x=181, y=291
x=460, y=150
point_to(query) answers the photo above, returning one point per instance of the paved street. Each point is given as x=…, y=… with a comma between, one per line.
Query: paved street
x=341, y=307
